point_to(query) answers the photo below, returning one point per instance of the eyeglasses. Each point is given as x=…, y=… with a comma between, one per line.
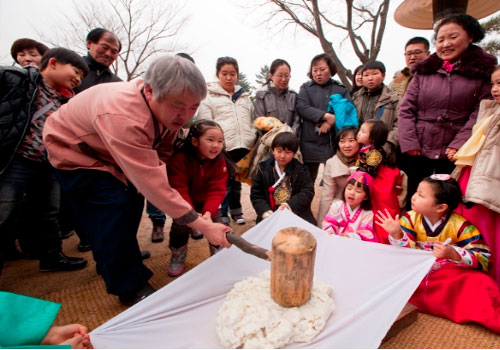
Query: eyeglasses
x=281, y=76
x=414, y=53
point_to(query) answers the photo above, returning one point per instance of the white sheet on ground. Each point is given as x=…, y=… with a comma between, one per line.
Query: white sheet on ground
x=372, y=283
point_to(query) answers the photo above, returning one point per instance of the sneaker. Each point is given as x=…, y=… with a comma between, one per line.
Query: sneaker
x=195, y=234
x=177, y=259
x=134, y=298
x=61, y=262
x=239, y=219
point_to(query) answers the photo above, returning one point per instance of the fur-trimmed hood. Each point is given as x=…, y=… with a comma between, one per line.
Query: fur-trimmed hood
x=474, y=63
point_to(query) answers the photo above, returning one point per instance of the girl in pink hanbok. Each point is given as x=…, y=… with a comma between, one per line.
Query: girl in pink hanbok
x=352, y=217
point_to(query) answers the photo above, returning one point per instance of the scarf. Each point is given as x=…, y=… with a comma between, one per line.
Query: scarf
x=447, y=66
x=348, y=161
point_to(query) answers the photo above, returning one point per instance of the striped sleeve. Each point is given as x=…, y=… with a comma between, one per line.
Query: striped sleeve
x=472, y=247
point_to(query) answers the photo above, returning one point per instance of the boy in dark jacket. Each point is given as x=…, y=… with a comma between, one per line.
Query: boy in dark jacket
x=282, y=181
x=27, y=97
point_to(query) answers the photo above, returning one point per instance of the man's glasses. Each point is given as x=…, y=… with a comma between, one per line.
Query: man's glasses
x=414, y=53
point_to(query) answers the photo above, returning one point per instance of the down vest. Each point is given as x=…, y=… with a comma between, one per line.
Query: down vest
x=18, y=95
x=235, y=118
x=439, y=109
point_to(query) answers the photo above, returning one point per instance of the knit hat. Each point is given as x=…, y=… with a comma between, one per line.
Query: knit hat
x=362, y=177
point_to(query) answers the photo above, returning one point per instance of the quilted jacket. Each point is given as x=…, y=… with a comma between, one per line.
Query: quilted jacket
x=18, y=95
x=439, y=109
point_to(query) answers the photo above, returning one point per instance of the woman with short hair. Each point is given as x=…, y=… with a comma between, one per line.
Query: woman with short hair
x=317, y=128
x=275, y=99
x=441, y=104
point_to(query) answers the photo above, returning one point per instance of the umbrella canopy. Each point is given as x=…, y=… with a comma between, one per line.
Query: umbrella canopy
x=422, y=14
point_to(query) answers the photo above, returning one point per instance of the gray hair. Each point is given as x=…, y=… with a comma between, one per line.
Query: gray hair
x=173, y=76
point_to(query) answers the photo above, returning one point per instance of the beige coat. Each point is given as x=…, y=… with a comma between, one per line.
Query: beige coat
x=484, y=183
x=236, y=119
x=335, y=177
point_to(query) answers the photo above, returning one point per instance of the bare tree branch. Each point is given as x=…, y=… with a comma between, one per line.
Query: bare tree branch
x=145, y=28
x=363, y=23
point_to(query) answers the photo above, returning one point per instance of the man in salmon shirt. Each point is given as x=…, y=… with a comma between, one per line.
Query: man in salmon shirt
x=109, y=146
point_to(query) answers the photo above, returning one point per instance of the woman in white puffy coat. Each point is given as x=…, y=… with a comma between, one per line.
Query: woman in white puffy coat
x=229, y=105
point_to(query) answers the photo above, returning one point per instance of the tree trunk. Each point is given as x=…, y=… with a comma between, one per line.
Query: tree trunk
x=292, y=266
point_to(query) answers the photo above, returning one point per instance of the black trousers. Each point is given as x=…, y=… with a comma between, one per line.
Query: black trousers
x=108, y=212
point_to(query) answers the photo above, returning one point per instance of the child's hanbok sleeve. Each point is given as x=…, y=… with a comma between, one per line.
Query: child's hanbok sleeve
x=364, y=229
x=471, y=247
x=331, y=221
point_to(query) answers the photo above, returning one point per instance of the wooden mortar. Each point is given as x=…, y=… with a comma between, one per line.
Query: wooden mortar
x=292, y=266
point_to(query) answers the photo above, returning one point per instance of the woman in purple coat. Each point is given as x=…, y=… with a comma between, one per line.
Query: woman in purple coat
x=440, y=107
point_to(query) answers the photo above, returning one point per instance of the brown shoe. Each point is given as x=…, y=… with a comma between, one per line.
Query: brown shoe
x=157, y=233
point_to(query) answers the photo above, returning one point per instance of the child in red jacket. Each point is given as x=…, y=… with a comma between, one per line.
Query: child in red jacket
x=199, y=173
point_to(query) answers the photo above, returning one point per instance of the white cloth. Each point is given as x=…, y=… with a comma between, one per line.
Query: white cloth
x=372, y=283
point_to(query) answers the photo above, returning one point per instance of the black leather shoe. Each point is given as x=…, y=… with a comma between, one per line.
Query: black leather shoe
x=61, y=262
x=145, y=254
x=134, y=298
x=66, y=234
x=84, y=246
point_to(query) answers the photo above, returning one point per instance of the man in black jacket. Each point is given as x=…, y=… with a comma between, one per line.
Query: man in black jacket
x=103, y=49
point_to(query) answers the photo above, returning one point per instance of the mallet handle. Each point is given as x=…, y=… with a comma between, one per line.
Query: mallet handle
x=247, y=247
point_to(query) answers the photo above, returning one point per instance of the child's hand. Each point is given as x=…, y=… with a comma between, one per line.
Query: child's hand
x=442, y=251
x=284, y=206
x=450, y=153
x=73, y=334
x=389, y=224
x=267, y=214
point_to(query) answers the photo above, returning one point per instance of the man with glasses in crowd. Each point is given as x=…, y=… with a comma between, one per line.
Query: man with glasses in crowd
x=416, y=50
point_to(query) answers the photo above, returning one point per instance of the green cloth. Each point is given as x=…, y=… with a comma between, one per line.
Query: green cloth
x=24, y=321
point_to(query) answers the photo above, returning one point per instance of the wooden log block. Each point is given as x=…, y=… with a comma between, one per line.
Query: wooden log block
x=292, y=266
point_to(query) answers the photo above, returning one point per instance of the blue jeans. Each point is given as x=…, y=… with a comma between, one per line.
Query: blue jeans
x=108, y=212
x=29, y=205
x=155, y=214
